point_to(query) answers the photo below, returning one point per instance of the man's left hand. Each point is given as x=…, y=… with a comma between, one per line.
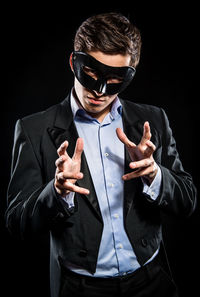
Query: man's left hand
x=141, y=155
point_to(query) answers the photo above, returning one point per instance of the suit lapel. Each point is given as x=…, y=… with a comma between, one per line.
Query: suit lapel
x=133, y=128
x=65, y=129
x=133, y=122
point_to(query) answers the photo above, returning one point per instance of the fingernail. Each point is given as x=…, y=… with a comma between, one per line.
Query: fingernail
x=79, y=175
x=132, y=165
x=64, y=144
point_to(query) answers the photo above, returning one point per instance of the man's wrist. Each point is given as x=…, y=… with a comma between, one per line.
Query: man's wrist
x=150, y=178
x=153, y=190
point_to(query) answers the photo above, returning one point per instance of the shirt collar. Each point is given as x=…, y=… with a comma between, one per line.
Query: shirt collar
x=116, y=108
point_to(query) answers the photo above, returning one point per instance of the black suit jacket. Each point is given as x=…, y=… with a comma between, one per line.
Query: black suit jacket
x=34, y=207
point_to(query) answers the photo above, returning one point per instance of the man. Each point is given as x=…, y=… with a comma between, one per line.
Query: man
x=97, y=171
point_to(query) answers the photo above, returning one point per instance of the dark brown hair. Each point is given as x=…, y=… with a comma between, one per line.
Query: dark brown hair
x=111, y=33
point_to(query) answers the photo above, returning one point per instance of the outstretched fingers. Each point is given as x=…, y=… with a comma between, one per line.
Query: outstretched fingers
x=63, y=176
x=142, y=169
x=62, y=149
x=124, y=139
x=150, y=148
x=68, y=169
x=67, y=187
x=146, y=134
x=78, y=149
x=71, y=187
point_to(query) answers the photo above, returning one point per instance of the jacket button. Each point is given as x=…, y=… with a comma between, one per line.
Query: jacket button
x=83, y=253
x=61, y=215
x=164, y=203
x=144, y=242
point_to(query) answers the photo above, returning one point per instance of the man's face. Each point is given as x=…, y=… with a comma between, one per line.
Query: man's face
x=98, y=104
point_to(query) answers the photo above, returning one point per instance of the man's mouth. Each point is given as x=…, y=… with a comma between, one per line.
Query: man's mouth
x=94, y=100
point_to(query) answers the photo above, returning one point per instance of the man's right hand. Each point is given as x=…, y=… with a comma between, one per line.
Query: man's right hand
x=68, y=170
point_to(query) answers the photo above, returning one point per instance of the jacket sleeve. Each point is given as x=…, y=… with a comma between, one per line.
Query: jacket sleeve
x=178, y=193
x=33, y=206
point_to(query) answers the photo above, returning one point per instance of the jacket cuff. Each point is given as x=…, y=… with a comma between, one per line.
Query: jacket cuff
x=65, y=210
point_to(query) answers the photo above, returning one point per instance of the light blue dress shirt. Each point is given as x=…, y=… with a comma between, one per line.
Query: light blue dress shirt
x=105, y=157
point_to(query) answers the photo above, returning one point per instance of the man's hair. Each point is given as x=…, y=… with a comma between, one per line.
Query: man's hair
x=111, y=33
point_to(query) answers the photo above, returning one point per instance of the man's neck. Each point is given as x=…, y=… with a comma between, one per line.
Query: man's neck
x=98, y=116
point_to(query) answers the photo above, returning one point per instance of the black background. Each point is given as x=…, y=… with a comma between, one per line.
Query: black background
x=36, y=44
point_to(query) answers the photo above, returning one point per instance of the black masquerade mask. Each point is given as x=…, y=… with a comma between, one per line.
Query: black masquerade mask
x=99, y=77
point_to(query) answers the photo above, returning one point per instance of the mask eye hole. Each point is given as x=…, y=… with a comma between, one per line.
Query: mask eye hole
x=91, y=72
x=114, y=80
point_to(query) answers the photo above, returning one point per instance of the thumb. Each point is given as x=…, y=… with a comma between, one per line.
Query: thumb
x=124, y=139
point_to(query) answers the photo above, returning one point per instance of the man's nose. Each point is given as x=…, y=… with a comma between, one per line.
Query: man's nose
x=98, y=94
x=100, y=87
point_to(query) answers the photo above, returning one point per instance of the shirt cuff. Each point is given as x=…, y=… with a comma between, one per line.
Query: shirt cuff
x=153, y=190
x=69, y=199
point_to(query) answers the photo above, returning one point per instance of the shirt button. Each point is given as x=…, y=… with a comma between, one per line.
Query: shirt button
x=106, y=154
x=111, y=185
x=152, y=194
x=116, y=216
x=120, y=246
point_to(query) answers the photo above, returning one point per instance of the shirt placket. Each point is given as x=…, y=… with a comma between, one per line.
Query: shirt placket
x=115, y=207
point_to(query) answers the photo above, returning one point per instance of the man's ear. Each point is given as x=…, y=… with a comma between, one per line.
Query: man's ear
x=70, y=62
